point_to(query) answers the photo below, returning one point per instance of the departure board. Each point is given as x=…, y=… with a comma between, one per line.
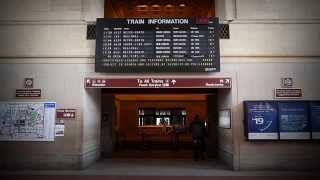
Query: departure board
x=157, y=45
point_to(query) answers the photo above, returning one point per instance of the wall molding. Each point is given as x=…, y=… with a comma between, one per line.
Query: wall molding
x=269, y=59
x=48, y=60
x=275, y=21
x=42, y=22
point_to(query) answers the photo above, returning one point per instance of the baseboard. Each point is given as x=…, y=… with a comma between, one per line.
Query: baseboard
x=89, y=157
x=40, y=162
x=226, y=158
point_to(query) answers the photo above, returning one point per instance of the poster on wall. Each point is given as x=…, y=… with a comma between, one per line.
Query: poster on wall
x=27, y=121
x=59, y=129
x=315, y=119
x=261, y=118
x=293, y=120
x=225, y=118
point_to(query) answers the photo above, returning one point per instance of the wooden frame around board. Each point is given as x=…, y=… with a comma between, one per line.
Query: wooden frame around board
x=158, y=8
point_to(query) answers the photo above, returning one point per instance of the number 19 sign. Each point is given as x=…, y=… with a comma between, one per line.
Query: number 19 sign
x=261, y=117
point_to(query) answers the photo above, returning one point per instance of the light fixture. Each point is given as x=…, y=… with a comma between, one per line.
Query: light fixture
x=169, y=6
x=142, y=7
x=156, y=7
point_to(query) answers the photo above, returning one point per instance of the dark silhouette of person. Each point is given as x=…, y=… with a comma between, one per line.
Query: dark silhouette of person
x=198, y=130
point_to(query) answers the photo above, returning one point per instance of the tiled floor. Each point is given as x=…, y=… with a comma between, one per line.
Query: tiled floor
x=160, y=167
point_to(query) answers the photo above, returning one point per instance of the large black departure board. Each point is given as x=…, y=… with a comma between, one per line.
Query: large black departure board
x=157, y=45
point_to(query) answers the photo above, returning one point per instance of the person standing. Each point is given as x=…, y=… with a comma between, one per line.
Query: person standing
x=198, y=130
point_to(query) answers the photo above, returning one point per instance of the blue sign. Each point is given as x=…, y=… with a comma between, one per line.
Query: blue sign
x=315, y=119
x=261, y=117
x=49, y=105
x=293, y=120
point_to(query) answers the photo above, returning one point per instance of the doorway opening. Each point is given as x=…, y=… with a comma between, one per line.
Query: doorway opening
x=153, y=124
x=138, y=123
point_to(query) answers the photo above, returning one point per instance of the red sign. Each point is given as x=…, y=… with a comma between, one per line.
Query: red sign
x=287, y=93
x=28, y=93
x=66, y=113
x=202, y=20
x=158, y=83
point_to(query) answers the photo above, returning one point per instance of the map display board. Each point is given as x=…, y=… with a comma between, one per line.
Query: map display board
x=315, y=119
x=293, y=120
x=261, y=118
x=157, y=45
x=27, y=121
